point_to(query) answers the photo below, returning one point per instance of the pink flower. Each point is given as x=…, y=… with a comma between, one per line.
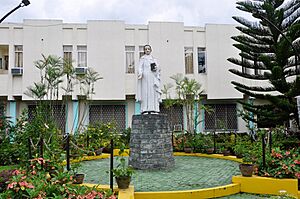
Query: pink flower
x=287, y=153
x=24, y=184
x=16, y=172
x=278, y=155
x=296, y=161
x=112, y=197
x=297, y=175
x=30, y=186
x=11, y=185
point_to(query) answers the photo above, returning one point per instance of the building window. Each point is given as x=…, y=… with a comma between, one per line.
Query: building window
x=19, y=56
x=108, y=113
x=141, y=51
x=6, y=62
x=82, y=56
x=68, y=53
x=201, y=60
x=129, y=53
x=221, y=116
x=188, y=57
x=56, y=112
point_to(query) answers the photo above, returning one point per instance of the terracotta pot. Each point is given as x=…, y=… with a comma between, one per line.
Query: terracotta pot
x=123, y=182
x=188, y=149
x=226, y=153
x=98, y=152
x=210, y=150
x=78, y=178
x=238, y=155
x=246, y=169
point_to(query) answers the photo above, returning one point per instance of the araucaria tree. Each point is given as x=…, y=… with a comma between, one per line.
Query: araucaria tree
x=269, y=50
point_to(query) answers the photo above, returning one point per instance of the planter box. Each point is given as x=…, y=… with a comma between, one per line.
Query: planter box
x=264, y=185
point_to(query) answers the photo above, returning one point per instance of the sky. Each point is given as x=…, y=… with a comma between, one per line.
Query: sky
x=191, y=12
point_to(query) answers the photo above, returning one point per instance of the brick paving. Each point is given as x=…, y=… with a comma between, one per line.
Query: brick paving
x=189, y=173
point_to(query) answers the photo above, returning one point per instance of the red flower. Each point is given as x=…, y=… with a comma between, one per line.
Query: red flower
x=296, y=161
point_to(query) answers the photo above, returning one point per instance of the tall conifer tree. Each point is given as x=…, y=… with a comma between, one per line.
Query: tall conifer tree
x=269, y=52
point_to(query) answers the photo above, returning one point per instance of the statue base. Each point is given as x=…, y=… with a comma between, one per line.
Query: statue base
x=151, y=143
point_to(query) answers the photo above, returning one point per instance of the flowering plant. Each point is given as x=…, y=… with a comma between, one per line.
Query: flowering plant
x=24, y=184
x=282, y=164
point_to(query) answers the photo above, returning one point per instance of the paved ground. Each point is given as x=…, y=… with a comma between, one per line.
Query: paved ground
x=189, y=173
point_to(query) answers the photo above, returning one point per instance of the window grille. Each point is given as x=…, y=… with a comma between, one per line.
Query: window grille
x=59, y=115
x=82, y=56
x=188, y=57
x=129, y=53
x=174, y=114
x=222, y=116
x=19, y=56
x=108, y=113
x=201, y=60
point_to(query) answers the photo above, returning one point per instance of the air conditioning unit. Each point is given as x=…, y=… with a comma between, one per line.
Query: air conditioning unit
x=17, y=71
x=80, y=70
x=177, y=128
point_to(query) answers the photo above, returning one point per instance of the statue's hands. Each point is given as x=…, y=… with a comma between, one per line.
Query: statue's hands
x=140, y=76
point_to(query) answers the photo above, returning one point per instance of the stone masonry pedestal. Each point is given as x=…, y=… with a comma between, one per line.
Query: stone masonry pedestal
x=151, y=142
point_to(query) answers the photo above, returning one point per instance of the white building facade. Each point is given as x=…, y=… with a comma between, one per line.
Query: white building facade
x=113, y=48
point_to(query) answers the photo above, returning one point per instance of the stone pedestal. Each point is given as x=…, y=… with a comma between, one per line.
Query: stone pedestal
x=151, y=142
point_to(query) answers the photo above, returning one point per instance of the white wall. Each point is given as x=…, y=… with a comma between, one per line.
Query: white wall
x=106, y=48
x=219, y=49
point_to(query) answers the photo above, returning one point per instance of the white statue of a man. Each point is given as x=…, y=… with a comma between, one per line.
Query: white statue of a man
x=148, y=87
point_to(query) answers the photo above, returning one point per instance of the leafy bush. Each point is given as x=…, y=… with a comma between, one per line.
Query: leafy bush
x=281, y=164
x=29, y=184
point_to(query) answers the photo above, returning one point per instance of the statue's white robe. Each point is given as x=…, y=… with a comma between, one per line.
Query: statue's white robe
x=148, y=86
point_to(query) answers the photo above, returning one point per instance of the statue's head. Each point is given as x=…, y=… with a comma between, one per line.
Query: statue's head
x=147, y=49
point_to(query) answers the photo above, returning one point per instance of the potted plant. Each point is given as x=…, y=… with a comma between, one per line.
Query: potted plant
x=123, y=172
x=78, y=177
x=239, y=149
x=247, y=167
x=188, y=143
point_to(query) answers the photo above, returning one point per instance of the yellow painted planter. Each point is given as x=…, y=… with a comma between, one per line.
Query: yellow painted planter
x=266, y=185
x=191, y=194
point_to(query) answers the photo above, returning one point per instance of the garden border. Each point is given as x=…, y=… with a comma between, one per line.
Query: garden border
x=240, y=184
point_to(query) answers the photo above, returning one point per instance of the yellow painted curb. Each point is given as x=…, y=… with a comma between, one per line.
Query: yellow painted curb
x=191, y=194
x=116, y=152
x=218, y=156
x=126, y=193
x=87, y=158
x=98, y=186
x=266, y=185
